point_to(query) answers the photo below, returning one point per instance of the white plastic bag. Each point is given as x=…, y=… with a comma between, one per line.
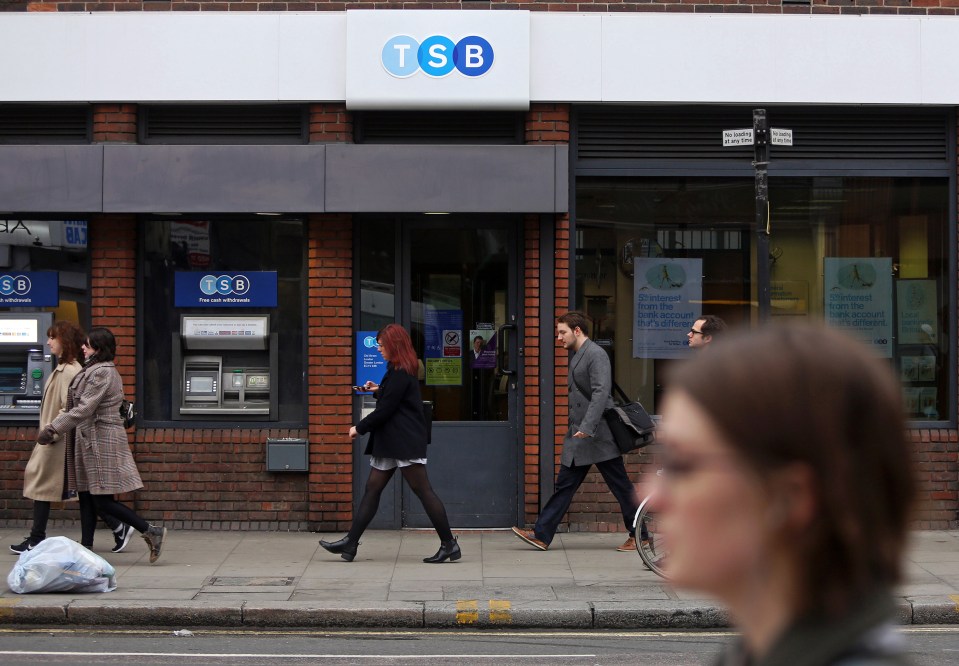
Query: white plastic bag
x=59, y=564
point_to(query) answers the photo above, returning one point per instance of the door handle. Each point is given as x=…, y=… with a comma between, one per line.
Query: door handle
x=502, y=349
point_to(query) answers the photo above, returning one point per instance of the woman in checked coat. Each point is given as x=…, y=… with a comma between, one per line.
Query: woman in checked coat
x=98, y=459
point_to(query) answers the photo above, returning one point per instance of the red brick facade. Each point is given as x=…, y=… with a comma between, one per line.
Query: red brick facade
x=215, y=478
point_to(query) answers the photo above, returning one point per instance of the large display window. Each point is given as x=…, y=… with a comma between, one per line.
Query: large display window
x=179, y=350
x=870, y=255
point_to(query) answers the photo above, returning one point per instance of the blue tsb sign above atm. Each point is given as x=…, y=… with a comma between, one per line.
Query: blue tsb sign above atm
x=250, y=289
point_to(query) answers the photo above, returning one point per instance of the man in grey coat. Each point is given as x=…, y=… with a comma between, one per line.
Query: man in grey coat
x=588, y=441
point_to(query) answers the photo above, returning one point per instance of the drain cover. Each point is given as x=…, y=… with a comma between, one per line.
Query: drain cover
x=237, y=581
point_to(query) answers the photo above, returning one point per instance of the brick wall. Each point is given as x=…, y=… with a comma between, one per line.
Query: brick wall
x=330, y=368
x=902, y=7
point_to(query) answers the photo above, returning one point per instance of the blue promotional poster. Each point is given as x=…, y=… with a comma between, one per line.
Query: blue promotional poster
x=667, y=300
x=250, y=289
x=858, y=299
x=370, y=364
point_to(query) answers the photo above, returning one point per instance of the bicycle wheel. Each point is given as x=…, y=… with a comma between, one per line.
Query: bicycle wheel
x=649, y=542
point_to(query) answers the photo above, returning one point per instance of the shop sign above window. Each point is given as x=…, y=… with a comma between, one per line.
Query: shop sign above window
x=437, y=60
x=38, y=289
x=250, y=289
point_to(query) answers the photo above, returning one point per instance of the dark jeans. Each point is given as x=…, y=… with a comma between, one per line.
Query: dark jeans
x=568, y=482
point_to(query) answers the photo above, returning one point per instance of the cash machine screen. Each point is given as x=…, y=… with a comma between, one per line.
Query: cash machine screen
x=13, y=377
x=201, y=384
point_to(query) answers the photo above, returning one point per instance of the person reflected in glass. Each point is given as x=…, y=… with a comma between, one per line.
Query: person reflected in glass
x=397, y=440
x=704, y=331
x=786, y=493
x=99, y=463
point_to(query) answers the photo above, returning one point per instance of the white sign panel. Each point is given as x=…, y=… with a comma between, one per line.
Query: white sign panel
x=858, y=299
x=781, y=137
x=667, y=301
x=437, y=60
x=194, y=327
x=738, y=137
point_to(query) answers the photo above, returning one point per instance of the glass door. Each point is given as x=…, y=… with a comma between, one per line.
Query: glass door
x=455, y=289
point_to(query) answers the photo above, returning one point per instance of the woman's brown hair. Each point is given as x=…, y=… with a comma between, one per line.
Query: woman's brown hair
x=806, y=394
x=71, y=338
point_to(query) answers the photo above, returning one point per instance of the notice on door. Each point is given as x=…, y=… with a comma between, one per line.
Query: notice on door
x=667, y=301
x=858, y=299
x=482, y=354
x=444, y=347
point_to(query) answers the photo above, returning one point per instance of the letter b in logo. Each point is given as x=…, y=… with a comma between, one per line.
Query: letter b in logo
x=437, y=56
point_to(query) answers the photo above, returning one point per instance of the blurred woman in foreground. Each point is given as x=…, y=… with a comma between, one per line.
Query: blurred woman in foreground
x=786, y=493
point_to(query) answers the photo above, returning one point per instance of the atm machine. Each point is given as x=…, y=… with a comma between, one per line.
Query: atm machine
x=225, y=366
x=25, y=363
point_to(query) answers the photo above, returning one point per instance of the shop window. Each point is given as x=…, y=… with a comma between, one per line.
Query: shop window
x=870, y=255
x=223, y=246
x=49, y=246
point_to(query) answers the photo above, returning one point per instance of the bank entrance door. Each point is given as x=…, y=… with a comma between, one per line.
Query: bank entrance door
x=451, y=281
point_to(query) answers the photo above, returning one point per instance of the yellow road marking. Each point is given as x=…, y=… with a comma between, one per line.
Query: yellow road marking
x=467, y=611
x=6, y=606
x=499, y=611
x=955, y=600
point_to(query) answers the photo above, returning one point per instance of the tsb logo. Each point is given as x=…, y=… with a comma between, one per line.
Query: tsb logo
x=437, y=56
x=224, y=285
x=18, y=285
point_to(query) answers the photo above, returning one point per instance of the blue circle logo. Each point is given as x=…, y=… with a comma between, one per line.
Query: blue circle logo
x=224, y=285
x=15, y=285
x=369, y=341
x=400, y=56
x=473, y=56
x=437, y=56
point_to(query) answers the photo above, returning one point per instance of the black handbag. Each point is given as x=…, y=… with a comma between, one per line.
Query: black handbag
x=128, y=412
x=428, y=418
x=631, y=426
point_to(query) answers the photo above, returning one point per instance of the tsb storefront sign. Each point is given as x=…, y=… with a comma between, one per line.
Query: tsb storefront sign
x=437, y=60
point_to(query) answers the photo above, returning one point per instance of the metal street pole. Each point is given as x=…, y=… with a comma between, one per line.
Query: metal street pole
x=761, y=164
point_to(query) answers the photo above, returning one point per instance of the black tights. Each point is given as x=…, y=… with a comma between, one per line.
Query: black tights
x=108, y=507
x=41, y=516
x=419, y=482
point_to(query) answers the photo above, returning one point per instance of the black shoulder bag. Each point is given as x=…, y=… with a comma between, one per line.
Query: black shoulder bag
x=631, y=426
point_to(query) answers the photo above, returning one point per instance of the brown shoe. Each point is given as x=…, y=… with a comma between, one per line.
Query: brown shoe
x=530, y=537
x=628, y=546
x=154, y=537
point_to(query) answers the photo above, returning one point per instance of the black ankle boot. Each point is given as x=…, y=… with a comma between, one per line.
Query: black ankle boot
x=344, y=547
x=449, y=550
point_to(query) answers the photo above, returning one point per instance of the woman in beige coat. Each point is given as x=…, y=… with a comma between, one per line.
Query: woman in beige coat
x=99, y=462
x=43, y=477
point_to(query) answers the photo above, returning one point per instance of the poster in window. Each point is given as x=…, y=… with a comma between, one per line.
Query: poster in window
x=917, y=303
x=667, y=301
x=858, y=299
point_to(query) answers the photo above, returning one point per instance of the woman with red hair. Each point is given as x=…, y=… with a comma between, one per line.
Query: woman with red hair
x=397, y=440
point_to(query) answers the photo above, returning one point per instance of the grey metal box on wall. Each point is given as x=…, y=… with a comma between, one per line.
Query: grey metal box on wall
x=287, y=455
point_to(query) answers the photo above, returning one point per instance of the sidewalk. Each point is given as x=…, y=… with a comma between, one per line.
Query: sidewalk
x=284, y=579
